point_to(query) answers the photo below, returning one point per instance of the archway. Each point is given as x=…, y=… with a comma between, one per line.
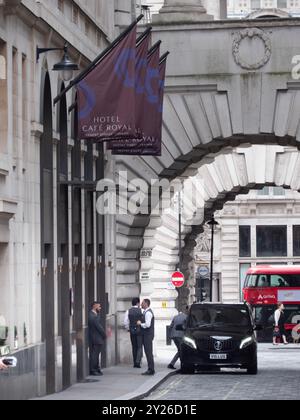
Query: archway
x=227, y=86
x=224, y=179
x=268, y=14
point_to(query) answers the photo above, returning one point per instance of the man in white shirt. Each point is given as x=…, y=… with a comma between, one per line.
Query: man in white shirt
x=147, y=325
x=132, y=316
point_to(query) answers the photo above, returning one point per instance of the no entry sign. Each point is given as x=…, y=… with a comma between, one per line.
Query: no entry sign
x=178, y=279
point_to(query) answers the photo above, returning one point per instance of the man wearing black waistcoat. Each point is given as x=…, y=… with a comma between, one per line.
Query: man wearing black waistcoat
x=132, y=316
x=147, y=325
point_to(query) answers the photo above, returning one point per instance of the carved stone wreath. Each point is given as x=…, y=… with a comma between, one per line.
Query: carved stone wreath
x=251, y=33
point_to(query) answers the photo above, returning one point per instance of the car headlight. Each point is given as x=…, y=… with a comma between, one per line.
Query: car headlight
x=190, y=342
x=246, y=342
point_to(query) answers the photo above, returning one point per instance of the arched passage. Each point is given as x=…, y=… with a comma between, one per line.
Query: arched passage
x=227, y=86
x=228, y=176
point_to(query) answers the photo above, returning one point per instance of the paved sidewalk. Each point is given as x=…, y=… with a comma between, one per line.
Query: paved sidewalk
x=121, y=382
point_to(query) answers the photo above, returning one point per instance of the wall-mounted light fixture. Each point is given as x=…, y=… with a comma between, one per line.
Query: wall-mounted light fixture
x=66, y=67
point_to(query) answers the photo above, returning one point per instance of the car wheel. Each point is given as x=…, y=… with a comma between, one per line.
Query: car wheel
x=252, y=370
x=187, y=369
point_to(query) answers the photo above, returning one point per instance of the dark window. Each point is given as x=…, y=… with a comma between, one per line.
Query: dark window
x=219, y=317
x=245, y=241
x=282, y=4
x=296, y=240
x=271, y=241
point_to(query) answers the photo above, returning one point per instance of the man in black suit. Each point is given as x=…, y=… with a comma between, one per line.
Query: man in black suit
x=132, y=316
x=97, y=338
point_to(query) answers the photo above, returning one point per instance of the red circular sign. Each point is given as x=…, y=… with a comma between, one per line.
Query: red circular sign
x=178, y=279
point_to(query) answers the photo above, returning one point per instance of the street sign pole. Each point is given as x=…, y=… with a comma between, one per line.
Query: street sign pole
x=180, y=233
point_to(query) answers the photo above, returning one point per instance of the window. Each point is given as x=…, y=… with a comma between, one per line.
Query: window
x=263, y=281
x=271, y=191
x=296, y=240
x=251, y=280
x=245, y=241
x=282, y=4
x=15, y=95
x=278, y=191
x=3, y=99
x=255, y=4
x=271, y=241
x=279, y=281
x=264, y=191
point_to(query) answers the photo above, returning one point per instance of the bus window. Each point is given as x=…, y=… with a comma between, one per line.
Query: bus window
x=263, y=281
x=251, y=280
x=279, y=281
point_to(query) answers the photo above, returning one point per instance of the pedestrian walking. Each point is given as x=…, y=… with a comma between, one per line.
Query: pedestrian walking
x=178, y=334
x=132, y=316
x=279, y=331
x=97, y=337
x=147, y=325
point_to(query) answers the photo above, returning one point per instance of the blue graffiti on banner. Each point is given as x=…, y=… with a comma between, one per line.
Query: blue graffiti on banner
x=90, y=98
x=122, y=66
x=139, y=84
x=151, y=95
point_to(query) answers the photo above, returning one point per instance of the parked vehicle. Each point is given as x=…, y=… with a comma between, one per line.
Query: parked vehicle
x=219, y=335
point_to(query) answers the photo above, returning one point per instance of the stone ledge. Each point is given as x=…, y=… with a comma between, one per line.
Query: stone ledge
x=8, y=208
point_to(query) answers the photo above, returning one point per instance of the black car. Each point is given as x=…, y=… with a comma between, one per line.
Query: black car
x=219, y=335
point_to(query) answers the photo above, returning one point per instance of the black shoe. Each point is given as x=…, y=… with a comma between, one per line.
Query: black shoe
x=100, y=372
x=170, y=366
x=95, y=374
x=149, y=373
x=137, y=366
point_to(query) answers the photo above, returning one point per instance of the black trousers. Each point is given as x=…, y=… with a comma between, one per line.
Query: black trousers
x=148, y=347
x=177, y=342
x=137, y=348
x=95, y=350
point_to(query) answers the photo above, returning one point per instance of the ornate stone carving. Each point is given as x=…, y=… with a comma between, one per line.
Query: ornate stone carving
x=203, y=242
x=251, y=33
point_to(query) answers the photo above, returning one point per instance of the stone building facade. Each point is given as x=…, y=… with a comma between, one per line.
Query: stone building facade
x=57, y=254
x=53, y=262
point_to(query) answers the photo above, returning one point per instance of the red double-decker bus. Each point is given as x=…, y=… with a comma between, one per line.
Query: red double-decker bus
x=265, y=286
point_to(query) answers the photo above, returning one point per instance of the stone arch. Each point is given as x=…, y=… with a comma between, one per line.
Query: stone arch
x=212, y=104
x=268, y=13
x=228, y=176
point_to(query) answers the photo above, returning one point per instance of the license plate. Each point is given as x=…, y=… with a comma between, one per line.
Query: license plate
x=218, y=356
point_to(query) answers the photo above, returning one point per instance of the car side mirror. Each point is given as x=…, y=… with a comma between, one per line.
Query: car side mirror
x=258, y=328
x=180, y=328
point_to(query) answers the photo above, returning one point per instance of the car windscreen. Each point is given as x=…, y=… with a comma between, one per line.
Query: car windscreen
x=219, y=318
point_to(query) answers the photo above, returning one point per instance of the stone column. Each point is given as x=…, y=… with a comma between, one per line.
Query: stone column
x=181, y=11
